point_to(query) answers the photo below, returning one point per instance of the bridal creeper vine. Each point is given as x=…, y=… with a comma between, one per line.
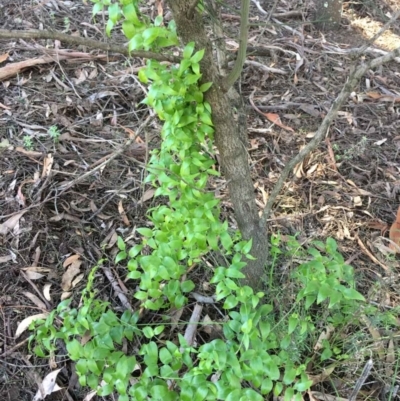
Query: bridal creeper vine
x=254, y=359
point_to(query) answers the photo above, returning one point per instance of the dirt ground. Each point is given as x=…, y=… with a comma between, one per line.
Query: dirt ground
x=67, y=189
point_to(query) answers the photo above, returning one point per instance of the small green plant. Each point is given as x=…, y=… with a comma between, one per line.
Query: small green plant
x=354, y=151
x=67, y=24
x=28, y=142
x=54, y=133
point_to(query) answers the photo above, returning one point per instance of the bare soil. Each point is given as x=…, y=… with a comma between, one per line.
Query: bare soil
x=347, y=189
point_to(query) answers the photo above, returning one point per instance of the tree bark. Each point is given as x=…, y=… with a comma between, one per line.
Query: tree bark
x=231, y=146
x=329, y=14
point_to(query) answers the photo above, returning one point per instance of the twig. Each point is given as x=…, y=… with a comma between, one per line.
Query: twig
x=12, y=349
x=192, y=325
x=241, y=54
x=90, y=43
x=352, y=81
x=122, y=297
x=361, y=380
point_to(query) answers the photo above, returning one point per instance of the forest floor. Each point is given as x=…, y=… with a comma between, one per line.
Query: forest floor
x=64, y=197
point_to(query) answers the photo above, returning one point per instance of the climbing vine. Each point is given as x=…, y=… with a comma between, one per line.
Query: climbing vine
x=256, y=357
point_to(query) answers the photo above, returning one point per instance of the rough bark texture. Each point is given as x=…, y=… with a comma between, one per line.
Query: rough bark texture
x=228, y=137
x=329, y=13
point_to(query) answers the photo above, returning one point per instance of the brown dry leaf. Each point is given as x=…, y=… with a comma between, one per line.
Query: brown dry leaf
x=34, y=275
x=46, y=291
x=322, y=376
x=5, y=259
x=274, y=118
x=35, y=300
x=159, y=8
x=47, y=165
x=27, y=321
x=310, y=109
x=325, y=335
x=298, y=170
x=73, y=265
x=65, y=216
x=30, y=153
x=90, y=395
x=377, y=224
x=65, y=295
x=110, y=239
x=122, y=213
x=38, y=269
x=11, y=223
x=77, y=279
x=394, y=233
x=326, y=397
x=147, y=195
x=71, y=259
x=390, y=359
x=3, y=57
x=49, y=385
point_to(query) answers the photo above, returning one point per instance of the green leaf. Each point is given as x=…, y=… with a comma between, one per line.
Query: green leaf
x=128, y=29
x=234, y=395
x=120, y=256
x=197, y=56
x=187, y=286
x=130, y=14
x=205, y=87
x=289, y=393
x=109, y=27
x=250, y=395
x=290, y=375
x=134, y=275
x=266, y=386
x=272, y=370
x=97, y=8
x=107, y=389
x=148, y=332
x=226, y=241
x=121, y=244
x=324, y=292
x=188, y=50
x=113, y=12
x=234, y=273
x=230, y=302
x=74, y=349
x=146, y=232
x=278, y=388
x=350, y=293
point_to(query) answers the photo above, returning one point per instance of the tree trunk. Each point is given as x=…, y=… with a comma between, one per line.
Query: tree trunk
x=228, y=135
x=329, y=14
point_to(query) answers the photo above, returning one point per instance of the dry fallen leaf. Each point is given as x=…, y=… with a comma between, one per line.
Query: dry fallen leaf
x=122, y=213
x=46, y=291
x=274, y=118
x=3, y=57
x=27, y=321
x=73, y=265
x=147, y=195
x=40, y=304
x=9, y=224
x=49, y=385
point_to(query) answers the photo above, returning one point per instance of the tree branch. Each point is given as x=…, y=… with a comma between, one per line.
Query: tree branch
x=90, y=43
x=352, y=81
x=241, y=56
